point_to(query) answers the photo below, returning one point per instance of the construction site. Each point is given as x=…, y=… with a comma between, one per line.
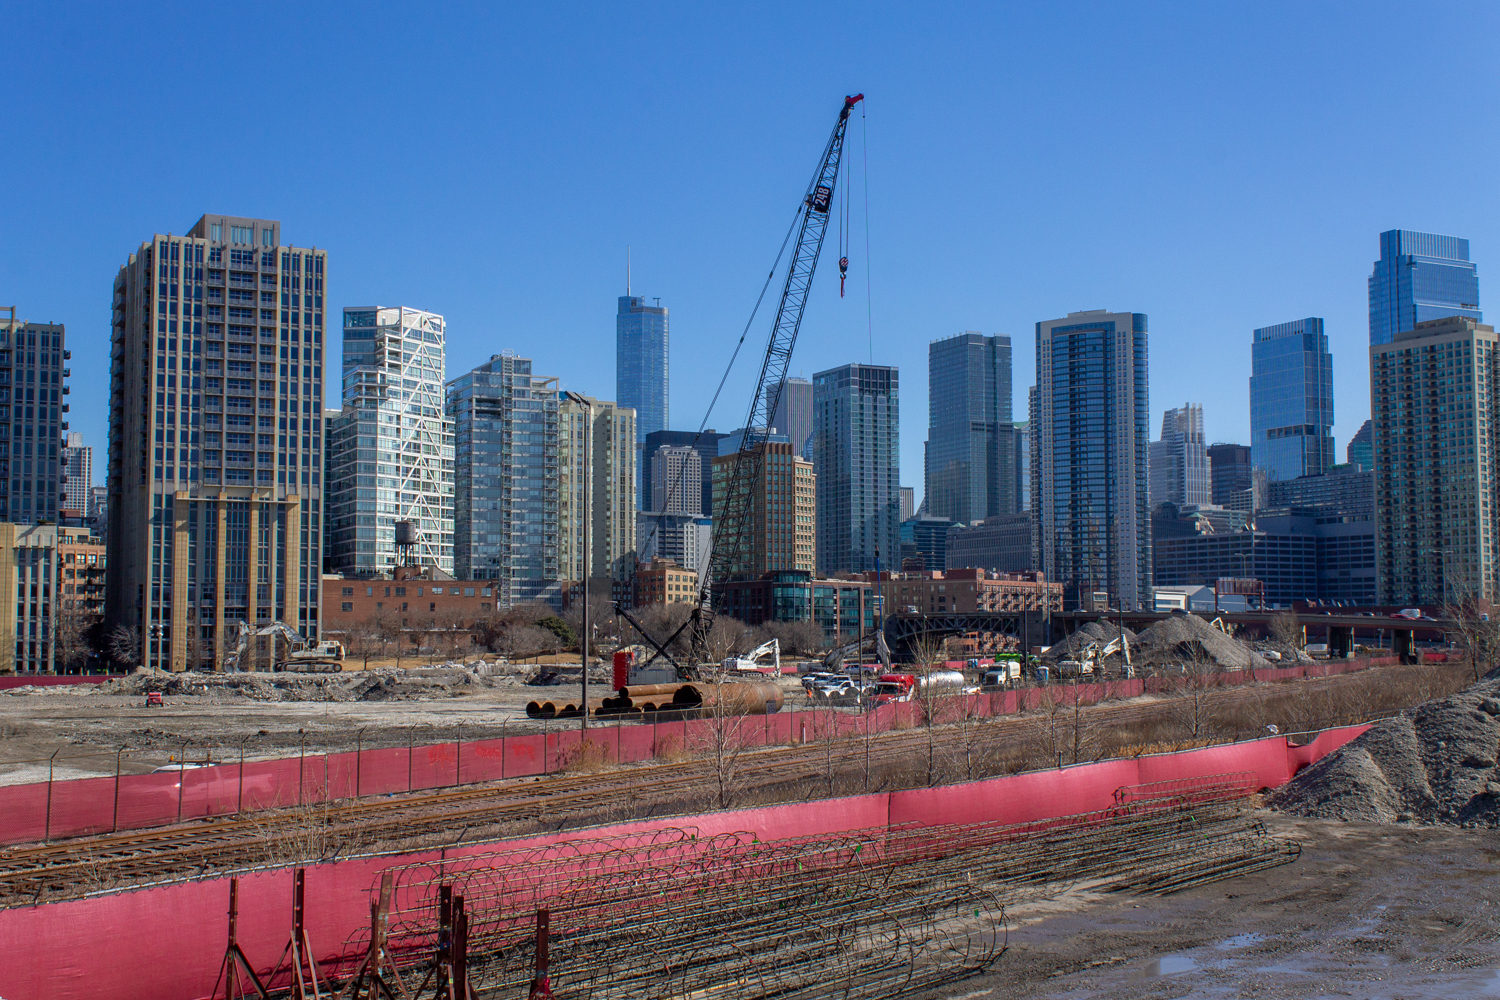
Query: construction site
x=1191, y=809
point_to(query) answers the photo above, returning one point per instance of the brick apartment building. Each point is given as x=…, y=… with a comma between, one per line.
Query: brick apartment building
x=969, y=590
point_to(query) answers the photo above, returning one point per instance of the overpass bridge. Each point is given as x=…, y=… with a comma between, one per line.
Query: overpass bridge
x=1341, y=631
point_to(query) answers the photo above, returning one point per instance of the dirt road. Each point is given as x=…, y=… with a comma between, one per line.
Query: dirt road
x=1367, y=911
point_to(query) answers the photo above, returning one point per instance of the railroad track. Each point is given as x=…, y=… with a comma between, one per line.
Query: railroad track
x=445, y=816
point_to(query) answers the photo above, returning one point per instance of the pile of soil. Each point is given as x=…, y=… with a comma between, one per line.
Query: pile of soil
x=1185, y=638
x=421, y=683
x=1101, y=631
x=1431, y=764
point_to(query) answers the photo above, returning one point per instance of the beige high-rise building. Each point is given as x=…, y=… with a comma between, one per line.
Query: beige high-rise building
x=215, y=439
x=610, y=506
x=783, y=525
x=1433, y=416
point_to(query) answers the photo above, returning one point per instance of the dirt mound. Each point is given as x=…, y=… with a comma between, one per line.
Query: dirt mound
x=446, y=681
x=1431, y=764
x=1186, y=638
x=1101, y=631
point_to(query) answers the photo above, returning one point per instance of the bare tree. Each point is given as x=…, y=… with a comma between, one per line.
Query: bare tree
x=1286, y=630
x=363, y=640
x=387, y=624
x=124, y=644
x=73, y=635
x=927, y=649
x=722, y=741
x=1194, y=705
x=1475, y=621
x=454, y=628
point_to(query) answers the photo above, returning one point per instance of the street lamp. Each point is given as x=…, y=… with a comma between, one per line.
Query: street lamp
x=588, y=427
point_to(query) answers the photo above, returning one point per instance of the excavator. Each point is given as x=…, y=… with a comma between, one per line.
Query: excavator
x=747, y=662
x=324, y=657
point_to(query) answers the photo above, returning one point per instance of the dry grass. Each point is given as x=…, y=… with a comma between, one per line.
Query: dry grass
x=588, y=757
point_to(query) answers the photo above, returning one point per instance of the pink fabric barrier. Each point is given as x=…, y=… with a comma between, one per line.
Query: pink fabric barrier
x=166, y=943
x=95, y=805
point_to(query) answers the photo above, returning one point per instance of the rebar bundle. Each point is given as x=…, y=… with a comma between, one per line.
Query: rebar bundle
x=861, y=913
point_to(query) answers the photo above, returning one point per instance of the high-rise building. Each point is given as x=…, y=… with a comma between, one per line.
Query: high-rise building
x=908, y=501
x=78, y=473
x=392, y=457
x=32, y=382
x=857, y=458
x=1179, y=461
x=602, y=434
x=641, y=372
x=1022, y=437
x=705, y=443
x=1433, y=403
x=794, y=413
x=1291, y=400
x=783, y=518
x=685, y=539
x=1361, y=451
x=676, y=481
x=1000, y=544
x=1420, y=277
x=1091, y=427
x=1229, y=468
x=924, y=540
x=506, y=475
x=215, y=439
x=970, y=455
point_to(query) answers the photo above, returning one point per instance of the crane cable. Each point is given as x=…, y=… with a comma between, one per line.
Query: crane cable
x=865, y=155
x=698, y=439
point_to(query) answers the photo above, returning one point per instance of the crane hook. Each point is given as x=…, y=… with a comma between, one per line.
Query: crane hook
x=843, y=272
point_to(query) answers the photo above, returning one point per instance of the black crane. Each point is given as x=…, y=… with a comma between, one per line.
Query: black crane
x=732, y=519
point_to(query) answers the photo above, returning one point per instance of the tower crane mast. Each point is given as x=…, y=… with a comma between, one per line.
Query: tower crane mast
x=732, y=525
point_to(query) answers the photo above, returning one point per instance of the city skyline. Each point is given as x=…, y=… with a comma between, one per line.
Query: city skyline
x=1284, y=238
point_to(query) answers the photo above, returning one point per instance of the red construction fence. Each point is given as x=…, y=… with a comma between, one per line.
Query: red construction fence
x=166, y=943
x=84, y=806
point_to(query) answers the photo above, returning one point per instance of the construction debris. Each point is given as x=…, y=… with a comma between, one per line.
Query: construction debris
x=447, y=680
x=1431, y=764
x=1184, y=639
x=1101, y=632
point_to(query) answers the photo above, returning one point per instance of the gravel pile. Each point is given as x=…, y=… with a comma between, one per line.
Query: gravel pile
x=1184, y=638
x=1431, y=764
x=1072, y=647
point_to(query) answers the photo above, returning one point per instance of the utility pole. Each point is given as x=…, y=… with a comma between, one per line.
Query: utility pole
x=588, y=530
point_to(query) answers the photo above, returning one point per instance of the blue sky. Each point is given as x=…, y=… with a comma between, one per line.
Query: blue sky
x=1218, y=167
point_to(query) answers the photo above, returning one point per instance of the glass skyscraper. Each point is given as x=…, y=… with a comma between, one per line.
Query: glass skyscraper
x=1291, y=400
x=970, y=459
x=391, y=455
x=1420, y=276
x=641, y=382
x=1090, y=430
x=505, y=422
x=857, y=459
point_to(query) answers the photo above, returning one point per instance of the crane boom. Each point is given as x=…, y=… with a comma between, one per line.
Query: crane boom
x=732, y=524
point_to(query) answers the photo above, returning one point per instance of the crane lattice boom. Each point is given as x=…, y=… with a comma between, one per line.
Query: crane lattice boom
x=732, y=526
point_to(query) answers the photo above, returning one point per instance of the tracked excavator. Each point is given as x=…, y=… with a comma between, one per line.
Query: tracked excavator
x=323, y=657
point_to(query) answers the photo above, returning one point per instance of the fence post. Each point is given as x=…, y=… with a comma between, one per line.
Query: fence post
x=503, y=740
x=301, y=761
x=410, y=735
x=544, y=746
x=458, y=766
x=181, y=777
x=239, y=805
x=618, y=723
x=359, y=759
x=114, y=826
x=47, y=827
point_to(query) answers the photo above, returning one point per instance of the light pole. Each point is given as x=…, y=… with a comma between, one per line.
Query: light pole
x=588, y=427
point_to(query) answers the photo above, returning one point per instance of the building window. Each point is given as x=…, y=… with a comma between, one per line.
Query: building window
x=265, y=238
x=242, y=234
x=348, y=592
x=346, y=606
x=216, y=232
